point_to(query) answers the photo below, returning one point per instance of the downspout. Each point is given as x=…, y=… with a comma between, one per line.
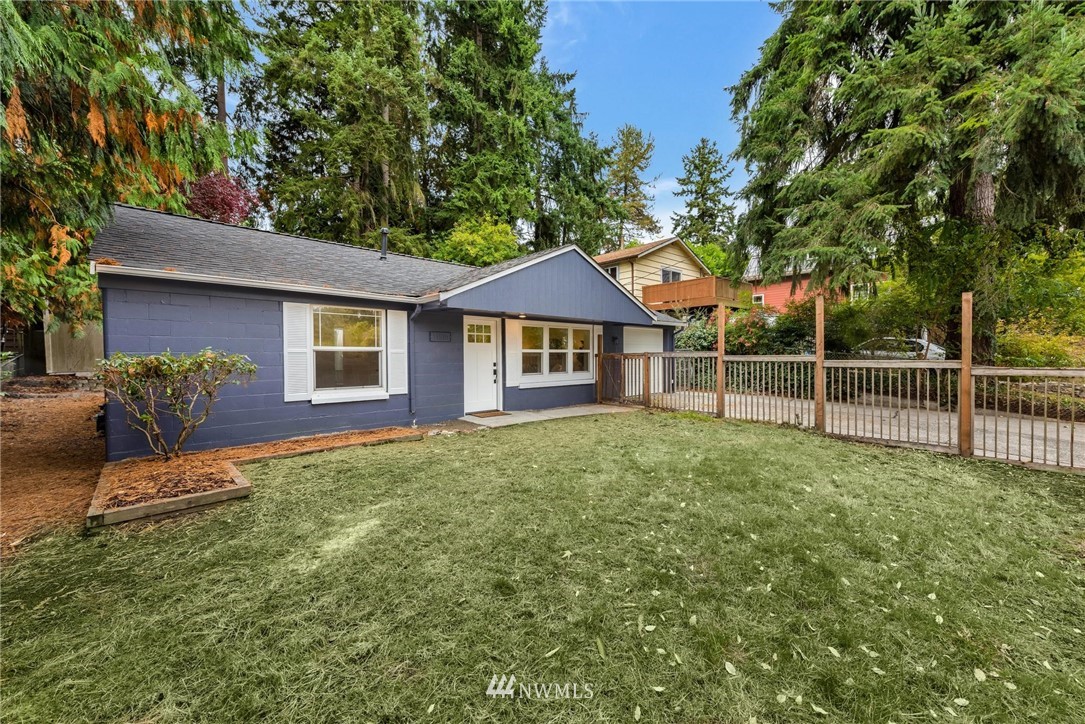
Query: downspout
x=410, y=360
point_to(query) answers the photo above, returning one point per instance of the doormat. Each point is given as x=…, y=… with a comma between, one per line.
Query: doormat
x=489, y=413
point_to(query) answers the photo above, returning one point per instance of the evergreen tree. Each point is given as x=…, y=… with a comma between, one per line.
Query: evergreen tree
x=939, y=136
x=628, y=187
x=483, y=155
x=571, y=198
x=708, y=217
x=347, y=111
x=94, y=109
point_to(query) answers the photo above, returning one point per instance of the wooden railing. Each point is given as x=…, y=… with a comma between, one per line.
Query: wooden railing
x=690, y=293
x=1023, y=416
x=1030, y=416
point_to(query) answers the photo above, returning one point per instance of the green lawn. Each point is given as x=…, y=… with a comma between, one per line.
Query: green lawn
x=685, y=568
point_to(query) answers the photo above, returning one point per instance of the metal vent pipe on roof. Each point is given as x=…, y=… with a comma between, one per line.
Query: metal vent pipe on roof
x=384, y=243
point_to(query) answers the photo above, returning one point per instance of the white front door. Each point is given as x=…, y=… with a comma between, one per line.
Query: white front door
x=480, y=371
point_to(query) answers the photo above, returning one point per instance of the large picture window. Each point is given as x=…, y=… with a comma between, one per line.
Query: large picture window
x=555, y=352
x=347, y=348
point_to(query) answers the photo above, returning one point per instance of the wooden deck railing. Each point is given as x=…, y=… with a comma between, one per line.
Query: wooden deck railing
x=690, y=293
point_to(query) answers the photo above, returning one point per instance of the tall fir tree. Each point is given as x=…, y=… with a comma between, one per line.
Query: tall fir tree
x=628, y=186
x=347, y=111
x=571, y=199
x=708, y=218
x=482, y=155
x=937, y=136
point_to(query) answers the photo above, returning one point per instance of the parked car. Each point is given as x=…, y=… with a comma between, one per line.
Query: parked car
x=898, y=348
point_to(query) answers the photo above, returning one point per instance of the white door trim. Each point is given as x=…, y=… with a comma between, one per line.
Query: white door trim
x=499, y=353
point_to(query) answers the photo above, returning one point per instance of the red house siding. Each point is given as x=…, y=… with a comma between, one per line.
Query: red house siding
x=778, y=294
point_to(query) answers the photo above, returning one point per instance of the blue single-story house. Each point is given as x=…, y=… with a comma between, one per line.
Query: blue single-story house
x=348, y=338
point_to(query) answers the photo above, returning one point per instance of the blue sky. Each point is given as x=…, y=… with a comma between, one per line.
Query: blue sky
x=662, y=66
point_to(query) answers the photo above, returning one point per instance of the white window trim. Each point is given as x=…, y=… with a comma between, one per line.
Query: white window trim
x=672, y=271
x=349, y=394
x=759, y=299
x=529, y=380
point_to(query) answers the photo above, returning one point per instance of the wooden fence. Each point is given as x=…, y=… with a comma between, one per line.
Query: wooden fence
x=1022, y=416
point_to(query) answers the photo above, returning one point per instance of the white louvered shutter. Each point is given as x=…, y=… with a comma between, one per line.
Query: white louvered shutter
x=297, y=322
x=513, y=358
x=397, y=352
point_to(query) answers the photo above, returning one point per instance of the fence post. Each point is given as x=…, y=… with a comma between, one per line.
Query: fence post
x=819, y=362
x=964, y=382
x=647, y=380
x=721, y=368
x=598, y=369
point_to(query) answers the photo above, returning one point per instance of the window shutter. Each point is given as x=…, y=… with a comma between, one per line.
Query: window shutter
x=297, y=321
x=513, y=358
x=397, y=352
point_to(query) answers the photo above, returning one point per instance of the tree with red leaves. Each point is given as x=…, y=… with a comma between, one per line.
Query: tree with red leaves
x=218, y=197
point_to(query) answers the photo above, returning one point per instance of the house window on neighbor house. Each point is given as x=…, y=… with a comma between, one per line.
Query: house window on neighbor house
x=759, y=299
x=567, y=350
x=860, y=291
x=670, y=275
x=612, y=271
x=347, y=348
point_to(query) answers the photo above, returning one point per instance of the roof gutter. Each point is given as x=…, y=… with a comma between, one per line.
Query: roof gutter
x=254, y=284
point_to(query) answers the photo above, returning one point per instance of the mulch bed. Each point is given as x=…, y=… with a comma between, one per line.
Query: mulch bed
x=144, y=480
x=51, y=459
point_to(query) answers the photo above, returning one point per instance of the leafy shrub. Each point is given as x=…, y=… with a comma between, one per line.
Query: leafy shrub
x=152, y=389
x=1024, y=345
x=698, y=336
x=750, y=332
x=480, y=242
x=7, y=365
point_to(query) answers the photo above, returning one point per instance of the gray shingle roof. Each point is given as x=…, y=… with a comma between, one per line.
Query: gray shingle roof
x=474, y=274
x=156, y=240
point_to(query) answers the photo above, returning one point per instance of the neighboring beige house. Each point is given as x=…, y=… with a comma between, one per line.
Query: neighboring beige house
x=655, y=262
x=667, y=274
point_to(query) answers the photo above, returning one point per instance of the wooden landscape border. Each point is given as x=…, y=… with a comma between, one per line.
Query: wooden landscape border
x=98, y=515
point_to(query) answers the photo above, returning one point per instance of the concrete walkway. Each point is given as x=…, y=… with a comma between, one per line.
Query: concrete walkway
x=555, y=413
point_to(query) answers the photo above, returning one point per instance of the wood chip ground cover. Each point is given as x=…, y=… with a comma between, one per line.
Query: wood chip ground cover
x=51, y=459
x=150, y=479
x=689, y=569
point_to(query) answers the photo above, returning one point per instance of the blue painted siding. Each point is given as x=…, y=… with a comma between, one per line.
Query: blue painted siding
x=563, y=287
x=541, y=398
x=437, y=367
x=147, y=317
